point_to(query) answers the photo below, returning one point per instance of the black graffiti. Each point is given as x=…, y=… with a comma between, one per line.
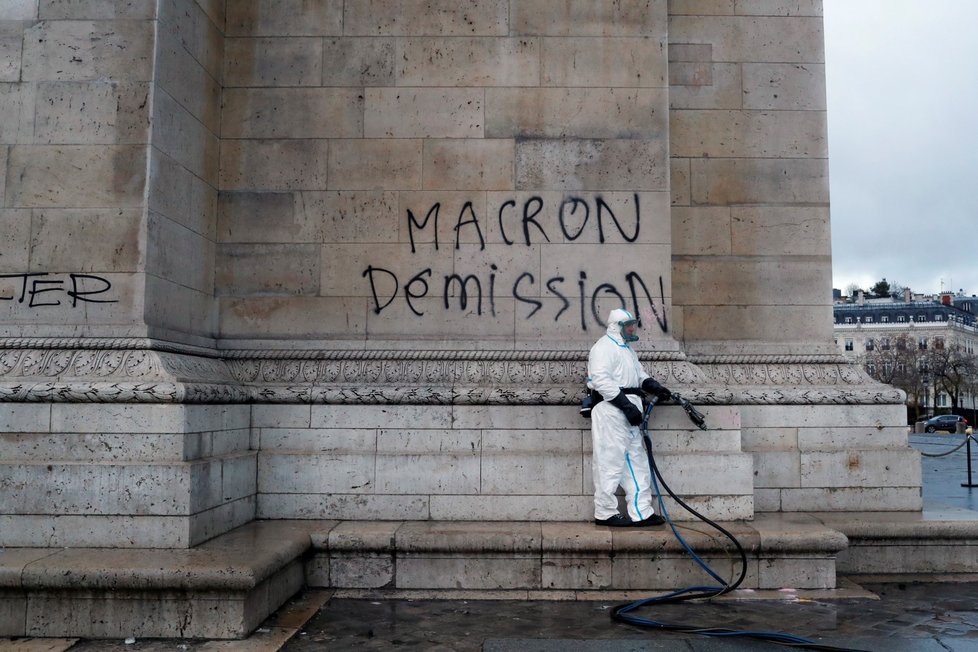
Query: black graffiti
x=528, y=217
x=42, y=292
x=472, y=294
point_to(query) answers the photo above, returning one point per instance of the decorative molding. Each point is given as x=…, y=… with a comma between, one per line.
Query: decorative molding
x=141, y=370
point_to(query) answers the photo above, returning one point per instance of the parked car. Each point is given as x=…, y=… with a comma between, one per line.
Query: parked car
x=947, y=422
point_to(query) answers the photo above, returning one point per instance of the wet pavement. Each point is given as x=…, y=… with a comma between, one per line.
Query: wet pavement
x=913, y=615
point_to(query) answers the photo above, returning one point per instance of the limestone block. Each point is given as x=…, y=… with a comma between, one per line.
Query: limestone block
x=136, y=418
x=342, y=506
x=427, y=18
x=767, y=500
x=477, y=319
x=468, y=164
x=182, y=196
x=13, y=613
x=121, y=50
x=601, y=62
x=513, y=508
x=708, y=473
x=286, y=113
x=779, y=8
x=680, y=181
x=645, y=572
x=199, y=24
x=95, y=9
x=714, y=85
x=98, y=447
x=576, y=113
x=340, y=216
x=668, y=440
x=450, y=572
x=283, y=317
x=423, y=113
x=225, y=442
x=760, y=39
x=284, y=18
x=86, y=240
x=700, y=231
x=83, y=488
x=17, y=108
x=795, y=231
x=25, y=418
x=785, y=87
x=450, y=217
x=92, y=112
x=527, y=218
x=583, y=18
x=361, y=571
x=583, y=574
x=777, y=469
x=501, y=264
x=19, y=10
x=238, y=476
x=358, y=62
x=538, y=462
x=347, y=473
x=277, y=269
x=11, y=46
x=318, y=439
x=860, y=468
x=758, y=181
x=76, y=176
x=382, y=416
x=769, y=439
x=521, y=417
x=177, y=307
x=468, y=62
x=122, y=296
x=851, y=499
x=273, y=62
x=703, y=281
x=821, y=416
x=344, y=269
x=375, y=164
x=428, y=462
x=15, y=233
x=187, y=81
x=866, y=437
x=280, y=416
x=702, y=7
x=758, y=323
x=628, y=165
x=170, y=246
x=181, y=136
x=605, y=265
x=748, y=134
x=95, y=531
x=796, y=572
x=260, y=217
x=274, y=164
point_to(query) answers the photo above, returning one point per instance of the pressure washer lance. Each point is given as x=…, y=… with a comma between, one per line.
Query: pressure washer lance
x=624, y=612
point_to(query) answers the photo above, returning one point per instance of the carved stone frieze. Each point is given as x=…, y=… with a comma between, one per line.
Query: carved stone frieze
x=147, y=371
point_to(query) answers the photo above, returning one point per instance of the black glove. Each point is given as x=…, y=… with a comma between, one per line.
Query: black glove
x=632, y=413
x=651, y=386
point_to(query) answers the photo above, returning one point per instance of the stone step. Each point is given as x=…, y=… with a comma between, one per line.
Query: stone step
x=225, y=588
x=438, y=555
x=221, y=589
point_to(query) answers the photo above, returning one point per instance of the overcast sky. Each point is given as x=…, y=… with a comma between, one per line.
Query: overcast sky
x=902, y=87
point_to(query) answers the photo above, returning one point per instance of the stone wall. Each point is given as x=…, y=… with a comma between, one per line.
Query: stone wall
x=345, y=260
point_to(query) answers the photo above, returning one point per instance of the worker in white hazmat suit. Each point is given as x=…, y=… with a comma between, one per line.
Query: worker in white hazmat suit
x=618, y=455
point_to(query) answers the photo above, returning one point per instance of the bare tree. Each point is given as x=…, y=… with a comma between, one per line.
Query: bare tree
x=898, y=361
x=953, y=369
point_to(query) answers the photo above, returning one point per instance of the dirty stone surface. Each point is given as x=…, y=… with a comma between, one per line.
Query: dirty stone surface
x=913, y=613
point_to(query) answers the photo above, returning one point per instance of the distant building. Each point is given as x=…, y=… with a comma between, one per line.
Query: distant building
x=931, y=322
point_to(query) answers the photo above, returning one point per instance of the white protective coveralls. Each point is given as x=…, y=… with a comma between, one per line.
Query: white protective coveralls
x=618, y=456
